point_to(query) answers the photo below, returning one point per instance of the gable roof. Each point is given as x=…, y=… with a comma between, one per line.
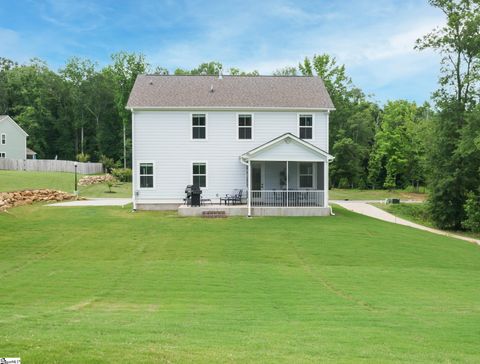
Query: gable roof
x=4, y=118
x=253, y=92
x=250, y=154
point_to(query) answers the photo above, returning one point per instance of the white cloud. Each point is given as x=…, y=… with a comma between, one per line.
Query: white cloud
x=11, y=46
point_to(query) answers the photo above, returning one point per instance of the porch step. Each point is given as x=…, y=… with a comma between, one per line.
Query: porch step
x=214, y=214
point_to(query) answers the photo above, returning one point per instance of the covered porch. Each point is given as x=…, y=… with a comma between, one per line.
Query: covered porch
x=287, y=184
x=287, y=176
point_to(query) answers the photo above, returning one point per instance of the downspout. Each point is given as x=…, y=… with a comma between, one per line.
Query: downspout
x=134, y=177
x=327, y=186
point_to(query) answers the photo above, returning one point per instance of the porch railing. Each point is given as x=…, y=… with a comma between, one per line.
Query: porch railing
x=296, y=198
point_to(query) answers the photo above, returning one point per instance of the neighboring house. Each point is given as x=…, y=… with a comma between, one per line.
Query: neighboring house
x=13, y=139
x=31, y=154
x=265, y=135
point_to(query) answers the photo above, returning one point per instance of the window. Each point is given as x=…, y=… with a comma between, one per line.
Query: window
x=199, y=126
x=305, y=175
x=4, y=139
x=146, y=175
x=2, y=155
x=200, y=174
x=305, y=125
x=244, y=126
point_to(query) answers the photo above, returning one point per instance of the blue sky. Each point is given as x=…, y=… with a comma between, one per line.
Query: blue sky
x=374, y=39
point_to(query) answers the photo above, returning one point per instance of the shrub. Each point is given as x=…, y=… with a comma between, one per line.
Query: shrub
x=472, y=211
x=362, y=185
x=110, y=183
x=122, y=174
x=108, y=163
x=83, y=157
x=343, y=183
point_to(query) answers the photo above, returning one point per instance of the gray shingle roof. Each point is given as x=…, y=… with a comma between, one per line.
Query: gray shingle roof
x=229, y=92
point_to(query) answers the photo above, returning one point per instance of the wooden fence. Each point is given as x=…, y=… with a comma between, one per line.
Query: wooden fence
x=49, y=165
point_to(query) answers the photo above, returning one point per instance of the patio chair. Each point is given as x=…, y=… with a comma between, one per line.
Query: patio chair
x=204, y=201
x=234, y=198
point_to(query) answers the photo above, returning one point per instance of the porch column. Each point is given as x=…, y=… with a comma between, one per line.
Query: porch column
x=325, y=184
x=287, y=184
x=249, y=201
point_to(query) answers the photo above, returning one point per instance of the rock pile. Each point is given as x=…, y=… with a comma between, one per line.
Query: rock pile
x=91, y=180
x=27, y=197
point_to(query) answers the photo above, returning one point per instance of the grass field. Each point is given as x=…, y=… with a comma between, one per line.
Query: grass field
x=19, y=180
x=88, y=285
x=354, y=194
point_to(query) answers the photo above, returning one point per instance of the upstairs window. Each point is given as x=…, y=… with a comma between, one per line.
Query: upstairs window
x=146, y=175
x=305, y=175
x=199, y=174
x=244, y=126
x=199, y=126
x=2, y=155
x=305, y=126
x=4, y=139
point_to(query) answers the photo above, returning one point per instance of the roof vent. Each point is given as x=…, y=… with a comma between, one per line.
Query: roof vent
x=151, y=82
x=211, y=87
x=220, y=73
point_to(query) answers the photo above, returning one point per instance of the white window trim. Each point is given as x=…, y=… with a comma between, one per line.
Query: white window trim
x=314, y=176
x=4, y=155
x=154, y=174
x=206, y=172
x=2, y=139
x=238, y=126
x=313, y=124
x=191, y=126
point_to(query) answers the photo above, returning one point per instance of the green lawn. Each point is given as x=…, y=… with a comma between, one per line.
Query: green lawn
x=354, y=194
x=89, y=285
x=19, y=180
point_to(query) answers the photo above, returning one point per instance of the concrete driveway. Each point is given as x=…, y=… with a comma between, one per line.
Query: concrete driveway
x=364, y=208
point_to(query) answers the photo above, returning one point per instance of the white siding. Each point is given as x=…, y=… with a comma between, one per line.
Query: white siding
x=15, y=147
x=164, y=137
x=288, y=151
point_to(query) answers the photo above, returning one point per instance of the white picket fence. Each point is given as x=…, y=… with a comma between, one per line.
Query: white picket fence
x=49, y=165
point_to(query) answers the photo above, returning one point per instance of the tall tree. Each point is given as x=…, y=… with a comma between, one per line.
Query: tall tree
x=77, y=73
x=286, y=71
x=353, y=121
x=124, y=71
x=394, y=161
x=452, y=174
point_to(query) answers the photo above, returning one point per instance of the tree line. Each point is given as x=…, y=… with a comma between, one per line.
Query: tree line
x=79, y=112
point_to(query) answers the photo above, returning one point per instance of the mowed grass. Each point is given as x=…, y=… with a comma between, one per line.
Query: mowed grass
x=355, y=194
x=89, y=285
x=20, y=180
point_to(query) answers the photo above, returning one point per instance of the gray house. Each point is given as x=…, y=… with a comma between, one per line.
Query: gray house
x=13, y=140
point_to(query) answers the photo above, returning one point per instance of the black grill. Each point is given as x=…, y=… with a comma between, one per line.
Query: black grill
x=193, y=195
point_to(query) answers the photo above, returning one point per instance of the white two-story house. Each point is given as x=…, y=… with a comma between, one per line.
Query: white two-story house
x=264, y=135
